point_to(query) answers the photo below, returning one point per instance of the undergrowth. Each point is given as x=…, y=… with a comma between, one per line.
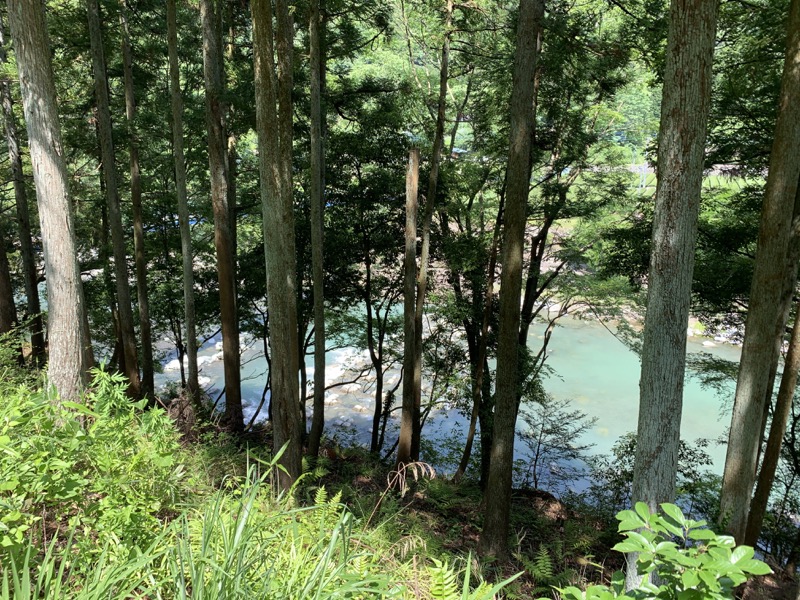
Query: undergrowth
x=100, y=499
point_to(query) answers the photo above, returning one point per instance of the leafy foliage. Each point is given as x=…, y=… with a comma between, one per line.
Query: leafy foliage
x=101, y=466
x=98, y=504
x=690, y=561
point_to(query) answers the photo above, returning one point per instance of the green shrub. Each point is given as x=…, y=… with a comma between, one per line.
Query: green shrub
x=689, y=561
x=102, y=468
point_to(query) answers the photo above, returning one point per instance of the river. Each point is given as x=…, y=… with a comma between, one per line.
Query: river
x=591, y=368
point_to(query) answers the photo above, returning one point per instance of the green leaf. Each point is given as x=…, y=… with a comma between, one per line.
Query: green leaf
x=690, y=579
x=80, y=408
x=755, y=567
x=710, y=579
x=629, y=524
x=671, y=527
x=8, y=485
x=726, y=541
x=674, y=513
x=627, y=546
x=638, y=538
x=628, y=515
x=643, y=511
x=742, y=553
x=702, y=534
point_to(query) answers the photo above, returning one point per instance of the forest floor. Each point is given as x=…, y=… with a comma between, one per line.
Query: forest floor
x=554, y=544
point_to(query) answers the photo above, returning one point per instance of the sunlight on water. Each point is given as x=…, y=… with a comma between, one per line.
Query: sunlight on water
x=592, y=369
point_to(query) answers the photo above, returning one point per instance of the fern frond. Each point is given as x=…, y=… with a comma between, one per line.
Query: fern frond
x=443, y=581
x=541, y=568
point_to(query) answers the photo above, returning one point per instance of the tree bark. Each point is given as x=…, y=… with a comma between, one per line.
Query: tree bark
x=104, y=127
x=68, y=362
x=29, y=272
x=273, y=78
x=759, y=348
x=193, y=387
x=494, y=537
x=780, y=418
x=479, y=370
x=430, y=202
x=217, y=164
x=685, y=106
x=410, y=356
x=8, y=310
x=316, y=32
x=148, y=385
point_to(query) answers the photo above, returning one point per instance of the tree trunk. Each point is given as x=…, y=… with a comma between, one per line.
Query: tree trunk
x=68, y=361
x=780, y=418
x=410, y=356
x=193, y=387
x=430, y=202
x=233, y=173
x=684, y=116
x=783, y=404
x=124, y=307
x=494, y=537
x=29, y=271
x=478, y=368
x=148, y=385
x=758, y=351
x=273, y=79
x=217, y=164
x=8, y=311
x=316, y=32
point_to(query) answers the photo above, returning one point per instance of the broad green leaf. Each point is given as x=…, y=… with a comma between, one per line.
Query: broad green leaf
x=755, y=567
x=643, y=511
x=627, y=546
x=638, y=538
x=709, y=579
x=690, y=579
x=671, y=527
x=629, y=524
x=742, y=553
x=8, y=485
x=702, y=534
x=726, y=541
x=674, y=513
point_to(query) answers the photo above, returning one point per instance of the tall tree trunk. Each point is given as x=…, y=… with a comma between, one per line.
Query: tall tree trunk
x=148, y=385
x=780, y=418
x=783, y=404
x=29, y=272
x=494, y=537
x=316, y=32
x=682, y=134
x=410, y=357
x=217, y=163
x=273, y=78
x=430, y=202
x=68, y=361
x=233, y=173
x=183, y=203
x=479, y=370
x=758, y=351
x=112, y=197
x=118, y=355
